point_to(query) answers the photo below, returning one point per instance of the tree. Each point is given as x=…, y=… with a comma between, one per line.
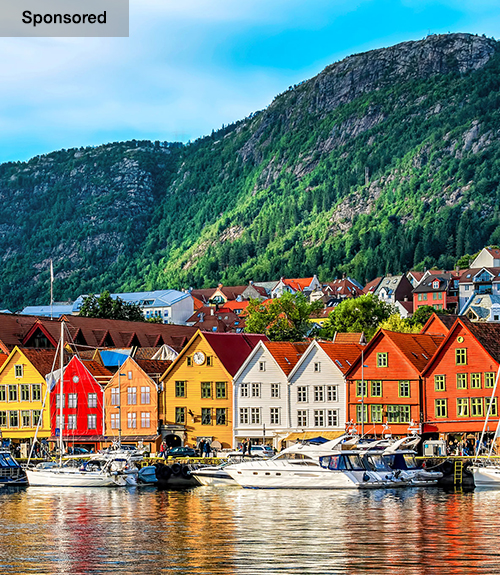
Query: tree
x=363, y=313
x=396, y=323
x=107, y=307
x=282, y=319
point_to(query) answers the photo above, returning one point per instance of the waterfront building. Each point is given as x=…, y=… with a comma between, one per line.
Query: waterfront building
x=262, y=393
x=198, y=391
x=132, y=399
x=438, y=324
x=460, y=377
x=384, y=387
x=22, y=392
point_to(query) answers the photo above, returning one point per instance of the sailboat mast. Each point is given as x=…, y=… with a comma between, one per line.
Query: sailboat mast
x=61, y=396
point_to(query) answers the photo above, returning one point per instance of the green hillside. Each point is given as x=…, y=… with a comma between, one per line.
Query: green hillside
x=386, y=161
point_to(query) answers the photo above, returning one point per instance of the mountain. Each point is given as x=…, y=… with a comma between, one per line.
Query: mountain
x=385, y=161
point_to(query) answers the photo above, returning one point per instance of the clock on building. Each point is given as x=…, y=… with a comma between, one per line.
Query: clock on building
x=199, y=357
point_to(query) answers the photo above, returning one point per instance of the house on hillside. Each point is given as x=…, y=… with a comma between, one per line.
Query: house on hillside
x=394, y=288
x=477, y=282
x=304, y=285
x=439, y=290
x=439, y=324
x=488, y=257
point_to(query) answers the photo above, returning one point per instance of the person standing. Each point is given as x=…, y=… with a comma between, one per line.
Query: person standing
x=201, y=448
x=207, y=449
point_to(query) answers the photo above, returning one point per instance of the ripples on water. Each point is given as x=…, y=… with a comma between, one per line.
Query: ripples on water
x=208, y=531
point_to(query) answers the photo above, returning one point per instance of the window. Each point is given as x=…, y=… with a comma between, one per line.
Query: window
x=475, y=381
x=189, y=360
x=129, y=375
x=145, y=395
x=404, y=389
x=440, y=407
x=180, y=389
x=220, y=390
x=461, y=356
x=255, y=389
x=131, y=395
x=19, y=370
x=72, y=421
x=275, y=415
x=489, y=379
x=302, y=394
x=319, y=393
x=3, y=393
x=13, y=418
x=440, y=382
x=92, y=421
x=494, y=406
x=317, y=367
x=58, y=401
x=72, y=400
x=58, y=422
x=25, y=392
x=255, y=415
x=243, y=415
x=3, y=419
x=302, y=418
x=25, y=419
x=115, y=396
x=131, y=420
x=398, y=413
x=206, y=389
x=331, y=393
x=361, y=388
x=476, y=406
x=180, y=415
x=206, y=416
x=361, y=413
x=275, y=390
x=376, y=413
x=333, y=417
x=12, y=392
x=145, y=420
x=210, y=361
x=36, y=417
x=244, y=390
x=319, y=418
x=463, y=407
x=36, y=392
x=115, y=421
x=382, y=359
x=376, y=388
x=461, y=381
x=220, y=416
x=91, y=400
x=262, y=366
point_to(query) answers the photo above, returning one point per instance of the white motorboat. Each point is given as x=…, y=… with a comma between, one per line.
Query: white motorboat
x=54, y=475
x=215, y=475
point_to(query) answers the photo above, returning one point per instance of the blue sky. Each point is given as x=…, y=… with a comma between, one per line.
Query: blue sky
x=190, y=66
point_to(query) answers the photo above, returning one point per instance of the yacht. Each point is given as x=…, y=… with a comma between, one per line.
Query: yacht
x=11, y=472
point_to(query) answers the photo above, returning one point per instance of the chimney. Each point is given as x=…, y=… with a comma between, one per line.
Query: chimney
x=406, y=298
x=220, y=286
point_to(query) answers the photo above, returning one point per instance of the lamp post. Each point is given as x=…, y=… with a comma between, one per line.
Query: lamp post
x=362, y=393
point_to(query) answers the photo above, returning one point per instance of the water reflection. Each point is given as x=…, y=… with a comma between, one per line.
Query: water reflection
x=233, y=531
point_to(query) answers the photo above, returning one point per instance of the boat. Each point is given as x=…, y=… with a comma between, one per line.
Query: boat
x=214, y=475
x=11, y=473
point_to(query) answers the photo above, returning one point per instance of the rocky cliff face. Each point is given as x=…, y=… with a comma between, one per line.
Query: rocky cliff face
x=400, y=143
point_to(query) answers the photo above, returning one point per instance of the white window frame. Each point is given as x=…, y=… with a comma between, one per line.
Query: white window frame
x=302, y=394
x=145, y=419
x=256, y=389
x=275, y=390
x=132, y=420
x=332, y=393
x=255, y=415
x=275, y=415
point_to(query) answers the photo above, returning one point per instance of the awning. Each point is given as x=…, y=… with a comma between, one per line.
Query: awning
x=312, y=434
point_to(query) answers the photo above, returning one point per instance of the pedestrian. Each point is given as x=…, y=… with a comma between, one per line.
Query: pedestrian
x=163, y=449
x=207, y=449
x=201, y=447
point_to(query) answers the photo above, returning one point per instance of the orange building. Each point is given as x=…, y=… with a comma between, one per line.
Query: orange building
x=198, y=388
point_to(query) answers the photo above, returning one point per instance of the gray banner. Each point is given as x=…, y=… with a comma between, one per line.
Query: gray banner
x=64, y=18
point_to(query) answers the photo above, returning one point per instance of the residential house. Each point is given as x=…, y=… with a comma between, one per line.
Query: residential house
x=318, y=390
x=393, y=288
x=460, y=378
x=198, y=391
x=384, y=384
x=477, y=281
x=439, y=324
x=261, y=392
x=132, y=403
x=483, y=307
x=415, y=277
x=439, y=290
x=372, y=286
x=488, y=257
x=304, y=285
x=22, y=392
x=219, y=320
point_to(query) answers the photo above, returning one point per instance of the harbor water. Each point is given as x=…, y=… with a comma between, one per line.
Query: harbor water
x=232, y=531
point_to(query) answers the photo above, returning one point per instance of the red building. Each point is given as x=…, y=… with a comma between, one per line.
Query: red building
x=460, y=378
x=384, y=387
x=439, y=290
x=83, y=406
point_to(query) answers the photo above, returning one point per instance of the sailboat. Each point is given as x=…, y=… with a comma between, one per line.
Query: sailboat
x=66, y=474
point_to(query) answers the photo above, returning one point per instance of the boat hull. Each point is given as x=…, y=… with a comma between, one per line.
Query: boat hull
x=486, y=476
x=213, y=476
x=68, y=478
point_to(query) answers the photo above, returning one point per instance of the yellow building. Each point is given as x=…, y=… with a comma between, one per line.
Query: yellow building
x=197, y=396
x=133, y=387
x=22, y=391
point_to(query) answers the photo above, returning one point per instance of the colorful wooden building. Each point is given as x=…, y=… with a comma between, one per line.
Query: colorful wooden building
x=460, y=378
x=384, y=387
x=198, y=390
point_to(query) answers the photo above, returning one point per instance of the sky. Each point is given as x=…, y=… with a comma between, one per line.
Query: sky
x=190, y=66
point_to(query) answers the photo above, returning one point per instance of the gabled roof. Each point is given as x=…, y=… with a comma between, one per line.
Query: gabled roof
x=342, y=354
x=438, y=324
x=345, y=287
x=495, y=252
x=349, y=337
x=43, y=359
x=98, y=371
x=13, y=329
x=233, y=348
x=370, y=287
x=427, y=284
x=286, y=354
x=467, y=276
x=389, y=283
x=153, y=366
x=298, y=284
x=231, y=292
x=202, y=295
x=233, y=305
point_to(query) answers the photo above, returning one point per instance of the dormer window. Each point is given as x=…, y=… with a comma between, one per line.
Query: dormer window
x=435, y=284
